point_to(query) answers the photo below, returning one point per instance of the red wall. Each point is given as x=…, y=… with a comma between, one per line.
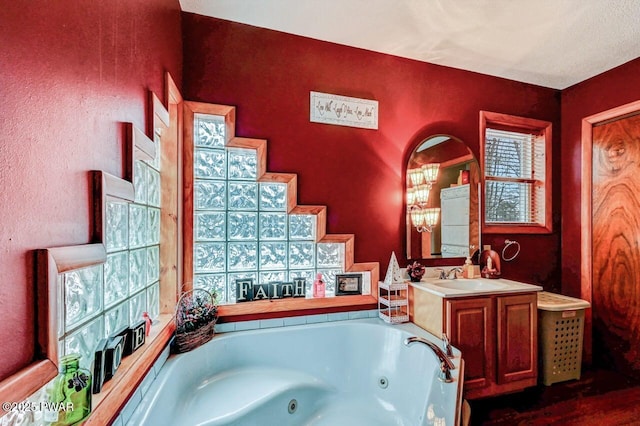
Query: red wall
x=614, y=88
x=358, y=174
x=70, y=73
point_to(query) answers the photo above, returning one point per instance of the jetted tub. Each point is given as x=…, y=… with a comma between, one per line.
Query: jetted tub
x=356, y=372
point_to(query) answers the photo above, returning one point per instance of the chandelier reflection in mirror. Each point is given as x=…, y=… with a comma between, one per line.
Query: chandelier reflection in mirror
x=419, y=183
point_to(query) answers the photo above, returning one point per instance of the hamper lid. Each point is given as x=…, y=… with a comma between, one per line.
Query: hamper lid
x=558, y=302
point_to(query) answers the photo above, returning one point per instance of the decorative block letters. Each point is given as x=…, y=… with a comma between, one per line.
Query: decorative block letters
x=109, y=352
x=113, y=356
x=246, y=290
x=137, y=335
x=299, y=285
x=275, y=290
x=126, y=341
x=260, y=291
x=287, y=289
x=98, y=366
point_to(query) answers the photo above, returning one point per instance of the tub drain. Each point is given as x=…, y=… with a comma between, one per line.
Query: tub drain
x=293, y=406
x=383, y=382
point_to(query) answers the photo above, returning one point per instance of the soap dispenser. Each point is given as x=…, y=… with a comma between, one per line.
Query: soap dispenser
x=318, y=286
x=468, y=268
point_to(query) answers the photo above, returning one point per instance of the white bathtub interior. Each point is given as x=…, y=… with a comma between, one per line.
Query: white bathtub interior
x=356, y=372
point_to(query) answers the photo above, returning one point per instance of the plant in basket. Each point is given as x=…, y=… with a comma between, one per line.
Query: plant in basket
x=196, y=315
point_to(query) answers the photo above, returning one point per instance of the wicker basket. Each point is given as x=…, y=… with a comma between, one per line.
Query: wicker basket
x=203, y=302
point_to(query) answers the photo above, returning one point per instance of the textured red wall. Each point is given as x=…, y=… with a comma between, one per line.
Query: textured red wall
x=614, y=88
x=70, y=73
x=358, y=173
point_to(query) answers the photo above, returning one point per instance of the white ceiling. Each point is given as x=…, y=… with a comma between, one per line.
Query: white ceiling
x=552, y=43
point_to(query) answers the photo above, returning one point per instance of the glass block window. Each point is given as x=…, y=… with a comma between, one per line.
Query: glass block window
x=241, y=226
x=97, y=301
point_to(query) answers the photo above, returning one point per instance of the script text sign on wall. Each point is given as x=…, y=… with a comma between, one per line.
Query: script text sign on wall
x=343, y=111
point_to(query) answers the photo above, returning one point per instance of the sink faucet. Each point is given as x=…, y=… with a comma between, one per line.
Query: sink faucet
x=450, y=275
x=446, y=365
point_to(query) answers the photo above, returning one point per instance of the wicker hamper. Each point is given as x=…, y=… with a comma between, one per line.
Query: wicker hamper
x=561, y=329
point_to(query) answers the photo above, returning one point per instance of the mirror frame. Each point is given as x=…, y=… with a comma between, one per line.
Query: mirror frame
x=475, y=202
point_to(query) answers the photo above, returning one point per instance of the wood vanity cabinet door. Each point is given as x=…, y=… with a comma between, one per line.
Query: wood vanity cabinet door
x=470, y=325
x=517, y=338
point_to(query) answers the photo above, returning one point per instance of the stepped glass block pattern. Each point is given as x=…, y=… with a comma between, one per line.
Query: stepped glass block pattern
x=83, y=295
x=210, y=130
x=116, y=273
x=243, y=164
x=117, y=318
x=302, y=227
x=273, y=197
x=84, y=340
x=302, y=255
x=211, y=226
x=273, y=226
x=242, y=228
x=330, y=255
x=209, y=164
x=210, y=257
x=211, y=195
x=97, y=301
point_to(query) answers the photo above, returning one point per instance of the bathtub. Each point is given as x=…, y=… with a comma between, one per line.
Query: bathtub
x=356, y=372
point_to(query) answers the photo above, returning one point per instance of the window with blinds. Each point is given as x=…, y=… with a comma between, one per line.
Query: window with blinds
x=516, y=168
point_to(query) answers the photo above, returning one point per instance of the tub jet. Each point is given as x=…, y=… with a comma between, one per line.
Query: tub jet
x=293, y=406
x=383, y=382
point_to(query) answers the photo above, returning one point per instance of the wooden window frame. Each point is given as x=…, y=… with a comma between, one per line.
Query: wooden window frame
x=52, y=262
x=133, y=369
x=515, y=123
x=263, y=309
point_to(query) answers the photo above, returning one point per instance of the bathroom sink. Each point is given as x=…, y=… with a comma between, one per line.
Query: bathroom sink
x=464, y=287
x=469, y=284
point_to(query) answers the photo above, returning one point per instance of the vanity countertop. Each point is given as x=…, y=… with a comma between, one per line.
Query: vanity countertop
x=463, y=287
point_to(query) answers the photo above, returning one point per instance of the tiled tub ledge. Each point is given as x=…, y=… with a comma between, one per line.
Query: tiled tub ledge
x=143, y=387
x=125, y=414
x=299, y=320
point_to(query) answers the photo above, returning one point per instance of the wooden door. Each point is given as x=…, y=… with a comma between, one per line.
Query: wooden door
x=471, y=328
x=517, y=338
x=616, y=244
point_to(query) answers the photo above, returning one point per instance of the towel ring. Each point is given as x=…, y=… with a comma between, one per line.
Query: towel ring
x=509, y=243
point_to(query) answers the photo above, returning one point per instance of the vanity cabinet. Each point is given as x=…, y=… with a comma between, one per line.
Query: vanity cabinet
x=470, y=326
x=496, y=334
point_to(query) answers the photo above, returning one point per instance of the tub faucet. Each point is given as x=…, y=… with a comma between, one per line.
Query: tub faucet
x=446, y=365
x=446, y=345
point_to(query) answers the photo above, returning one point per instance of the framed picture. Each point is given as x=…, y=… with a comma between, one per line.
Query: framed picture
x=348, y=284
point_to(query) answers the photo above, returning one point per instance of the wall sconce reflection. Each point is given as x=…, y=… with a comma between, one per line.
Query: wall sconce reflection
x=424, y=219
x=419, y=183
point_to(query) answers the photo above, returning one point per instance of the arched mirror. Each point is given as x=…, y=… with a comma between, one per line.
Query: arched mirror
x=442, y=199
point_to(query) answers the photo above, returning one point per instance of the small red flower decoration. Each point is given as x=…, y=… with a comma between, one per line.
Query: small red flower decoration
x=415, y=271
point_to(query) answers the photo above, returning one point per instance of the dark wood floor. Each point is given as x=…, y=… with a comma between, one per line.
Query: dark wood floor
x=600, y=397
